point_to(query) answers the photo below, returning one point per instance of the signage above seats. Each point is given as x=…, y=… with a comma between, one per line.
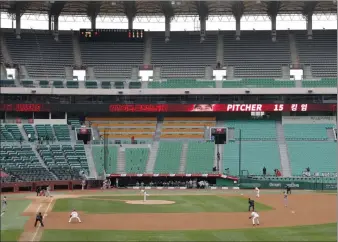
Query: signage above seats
x=158, y=108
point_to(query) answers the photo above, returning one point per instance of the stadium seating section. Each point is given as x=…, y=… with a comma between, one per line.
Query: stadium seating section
x=136, y=160
x=319, y=156
x=168, y=157
x=65, y=161
x=254, y=129
x=253, y=62
x=22, y=162
x=254, y=156
x=181, y=149
x=200, y=157
x=99, y=156
x=182, y=62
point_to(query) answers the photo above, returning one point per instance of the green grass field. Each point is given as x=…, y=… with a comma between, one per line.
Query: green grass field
x=12, y=222
x=326, y=232
x=183, y=204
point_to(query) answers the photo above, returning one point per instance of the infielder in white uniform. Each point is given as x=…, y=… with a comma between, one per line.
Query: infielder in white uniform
x=255, y=218
x=257, y=191
x=145, y=195
x=3, y=204
x=285, y=198
x=47, y=194
x=74, y=214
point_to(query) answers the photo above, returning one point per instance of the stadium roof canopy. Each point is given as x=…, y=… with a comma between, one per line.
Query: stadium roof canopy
x=172, y=8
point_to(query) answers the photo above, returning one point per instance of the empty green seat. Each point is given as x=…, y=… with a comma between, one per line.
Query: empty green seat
x=7, y=83
x=91, y=84
x=306, y=131
x=27, y=83
x=110, y=165
x=135, y=85
x=168, y=157
x=182, y=83
x=61, y=132
x=320, y=156
x=119, y=85
x=324, y=82
x=258, y=83
x=106, y=84
x=200, y=157
x=253, y=129
x=72, y=84
x=58, y=84
x=44, y=84
x=136, y=160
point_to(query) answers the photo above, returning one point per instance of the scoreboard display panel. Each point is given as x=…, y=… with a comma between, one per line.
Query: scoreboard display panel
x=112, y=35
x=219, y=135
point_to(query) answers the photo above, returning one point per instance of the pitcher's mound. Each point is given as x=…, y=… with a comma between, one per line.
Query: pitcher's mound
x=150, y=202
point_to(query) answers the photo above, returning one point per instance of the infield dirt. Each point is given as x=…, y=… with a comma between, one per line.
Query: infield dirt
x=309, y=209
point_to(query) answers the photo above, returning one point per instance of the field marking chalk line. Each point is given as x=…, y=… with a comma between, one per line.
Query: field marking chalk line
x=44, y=215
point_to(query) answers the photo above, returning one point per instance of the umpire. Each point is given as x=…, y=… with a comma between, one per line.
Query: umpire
x=39, y=218
x=288, y=189
x=251, y=205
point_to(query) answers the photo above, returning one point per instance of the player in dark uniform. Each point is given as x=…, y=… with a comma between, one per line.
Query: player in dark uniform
x=288, y=189
x=39, y=218
x=251, y=205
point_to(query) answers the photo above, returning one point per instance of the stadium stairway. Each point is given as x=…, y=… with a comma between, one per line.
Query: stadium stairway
x=152, y=157
x=90, y=160
x=43, y=164
x=23, y=132
x=283, y=150
x=183, y=159
x=121, y=161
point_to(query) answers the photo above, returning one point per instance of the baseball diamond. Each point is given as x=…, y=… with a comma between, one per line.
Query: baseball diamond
x=214, y=216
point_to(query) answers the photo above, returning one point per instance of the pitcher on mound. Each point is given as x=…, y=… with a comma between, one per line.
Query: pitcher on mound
x=145, y=195
x=74, y=214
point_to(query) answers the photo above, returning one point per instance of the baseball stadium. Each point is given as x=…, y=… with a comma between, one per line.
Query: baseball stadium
x=168, y=120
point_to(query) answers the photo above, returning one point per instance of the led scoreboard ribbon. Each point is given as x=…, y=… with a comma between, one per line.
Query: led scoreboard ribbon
x=112, y=35
x=163, y=108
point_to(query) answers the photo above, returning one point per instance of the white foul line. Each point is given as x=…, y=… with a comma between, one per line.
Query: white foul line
x=44, y=215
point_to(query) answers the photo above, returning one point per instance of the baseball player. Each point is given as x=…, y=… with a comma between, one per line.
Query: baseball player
x=257, y=191
x=74, y=214
x=48, y=192
x=255, y=218
x=145, y=195
x=3, y=204
x=285, y=198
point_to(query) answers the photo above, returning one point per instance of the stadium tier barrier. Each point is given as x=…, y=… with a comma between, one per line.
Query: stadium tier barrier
x=300, y=183
x=31, y=186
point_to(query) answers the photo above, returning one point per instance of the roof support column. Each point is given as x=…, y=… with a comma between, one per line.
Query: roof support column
x=203, y=23
x=93, y=21
x=18, y=23
x=273, y=27
x=273, y=8
x=238, y=11
x=167, y=28
x=49, y=22
x=56, y=27
x=238, y=27
x=309, y=25
x=130, y=21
